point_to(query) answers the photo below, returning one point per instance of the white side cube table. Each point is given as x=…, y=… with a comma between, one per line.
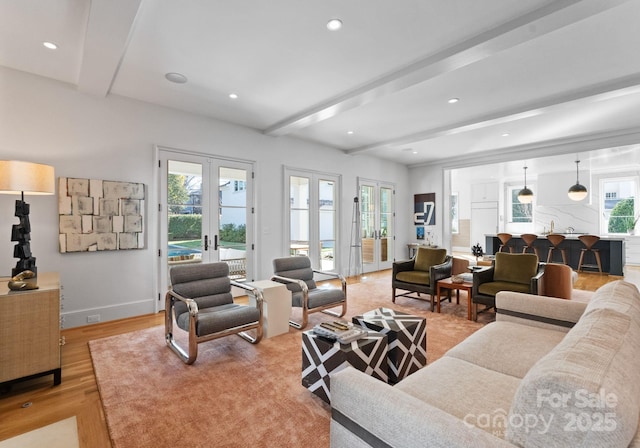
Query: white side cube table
x=276, y=306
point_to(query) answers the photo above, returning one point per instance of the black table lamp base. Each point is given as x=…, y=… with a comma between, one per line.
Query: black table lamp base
x=21, y=233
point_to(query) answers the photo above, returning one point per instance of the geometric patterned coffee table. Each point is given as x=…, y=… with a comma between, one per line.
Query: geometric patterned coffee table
x=407, y=338
x=322, y=356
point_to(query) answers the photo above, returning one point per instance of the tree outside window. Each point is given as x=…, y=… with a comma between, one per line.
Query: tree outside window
x=618, y=204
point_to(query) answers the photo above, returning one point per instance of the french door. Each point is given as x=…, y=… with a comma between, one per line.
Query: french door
x=377, y=229
x=313, y=206
x=206, y=213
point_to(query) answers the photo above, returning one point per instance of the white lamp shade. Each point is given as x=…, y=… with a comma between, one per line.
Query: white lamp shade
x=26, y=177
x=525, y=196
x=577, y=192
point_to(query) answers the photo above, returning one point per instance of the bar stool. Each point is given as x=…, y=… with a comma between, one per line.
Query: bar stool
x=589, y=241
x=504, y=239
x=555, y=241
x=529, y=239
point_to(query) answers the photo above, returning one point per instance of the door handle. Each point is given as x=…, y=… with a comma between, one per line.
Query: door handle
x=206, y=242
x=215, y=242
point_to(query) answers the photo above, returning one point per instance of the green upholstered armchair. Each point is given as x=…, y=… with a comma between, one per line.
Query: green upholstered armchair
x=421, y=273
x=509, y=272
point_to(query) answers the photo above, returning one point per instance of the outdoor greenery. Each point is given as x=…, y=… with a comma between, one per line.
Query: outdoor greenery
x=177, y=192
x=185, y=226
x=232, y=234
x=622, y=216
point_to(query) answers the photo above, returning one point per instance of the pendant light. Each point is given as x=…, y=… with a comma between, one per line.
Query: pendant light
x=577, y=192
x=525, y=196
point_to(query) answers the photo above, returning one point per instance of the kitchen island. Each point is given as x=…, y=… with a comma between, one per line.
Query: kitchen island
x=611, y=251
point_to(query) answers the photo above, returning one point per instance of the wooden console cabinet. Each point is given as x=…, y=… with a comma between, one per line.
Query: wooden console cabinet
x=30, y=331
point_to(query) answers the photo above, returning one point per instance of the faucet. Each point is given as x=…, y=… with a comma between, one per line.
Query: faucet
x=570, y=230
x=551, y=228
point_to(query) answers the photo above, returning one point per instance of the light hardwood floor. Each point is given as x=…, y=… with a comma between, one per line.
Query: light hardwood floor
x=36, y=403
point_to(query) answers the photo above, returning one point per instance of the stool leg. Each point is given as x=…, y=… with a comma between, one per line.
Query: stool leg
x=564, y=255
x=597, y=253
x=550, y=255
x=581, y=258
x=535, y=251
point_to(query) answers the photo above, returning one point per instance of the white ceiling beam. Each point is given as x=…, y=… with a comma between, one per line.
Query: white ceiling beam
x=109, y=28
x=566, y=145
x=544, y=20
x=597, y=92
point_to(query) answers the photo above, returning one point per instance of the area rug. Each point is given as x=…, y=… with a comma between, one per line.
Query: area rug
x=236, y=394
x=62, y=434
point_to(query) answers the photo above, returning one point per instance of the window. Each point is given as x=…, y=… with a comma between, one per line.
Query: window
x=239, y=185
x=618, y=204
x=454, y=213
x=518, y=212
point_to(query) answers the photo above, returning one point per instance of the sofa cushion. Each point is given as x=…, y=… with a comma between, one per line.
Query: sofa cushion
x=515, y=268
x=620, y=296
x=499, y=346
x=586, y=391
x=492, y=288
x=417, y=277
x=479, y=396
x=427, y=257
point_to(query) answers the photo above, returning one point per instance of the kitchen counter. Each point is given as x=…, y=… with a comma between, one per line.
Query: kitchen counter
x=568, y=236
x=612, y=250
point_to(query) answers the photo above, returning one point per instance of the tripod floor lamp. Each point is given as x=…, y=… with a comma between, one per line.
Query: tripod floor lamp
x=24, y=178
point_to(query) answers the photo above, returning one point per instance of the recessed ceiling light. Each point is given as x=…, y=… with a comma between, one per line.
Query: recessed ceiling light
x=50, y=45
x=506, y=134
x=414, y=152
x=233, y=96
x=350, y=132
x=453, y=100
x=176, y=77
x=334, y=24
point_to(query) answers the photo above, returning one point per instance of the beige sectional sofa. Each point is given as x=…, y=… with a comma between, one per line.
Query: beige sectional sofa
x=548, y=372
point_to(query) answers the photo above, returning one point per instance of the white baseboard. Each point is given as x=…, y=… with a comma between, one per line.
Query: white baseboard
x=80, y=318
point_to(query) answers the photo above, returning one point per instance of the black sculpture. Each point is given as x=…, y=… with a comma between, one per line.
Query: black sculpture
x=21, y=233
x=477, y=251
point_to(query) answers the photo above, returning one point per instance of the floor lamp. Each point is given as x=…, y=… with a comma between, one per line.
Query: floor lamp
x=24, y=178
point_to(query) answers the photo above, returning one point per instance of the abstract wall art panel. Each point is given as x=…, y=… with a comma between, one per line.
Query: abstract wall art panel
x=98, y=215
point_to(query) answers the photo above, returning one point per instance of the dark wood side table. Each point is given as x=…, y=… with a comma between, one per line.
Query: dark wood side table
x=447, y=283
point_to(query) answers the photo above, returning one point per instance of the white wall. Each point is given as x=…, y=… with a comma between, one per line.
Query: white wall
x=426, y=180
x=113, y=139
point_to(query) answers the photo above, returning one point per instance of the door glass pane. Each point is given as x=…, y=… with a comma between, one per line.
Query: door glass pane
x=327, y=224
x=368, y=218
x=386, y=222
x=184, y=193
x=232, y=210
x=299, y=206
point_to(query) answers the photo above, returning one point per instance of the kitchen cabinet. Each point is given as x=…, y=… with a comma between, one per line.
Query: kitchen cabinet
x=485, y=192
